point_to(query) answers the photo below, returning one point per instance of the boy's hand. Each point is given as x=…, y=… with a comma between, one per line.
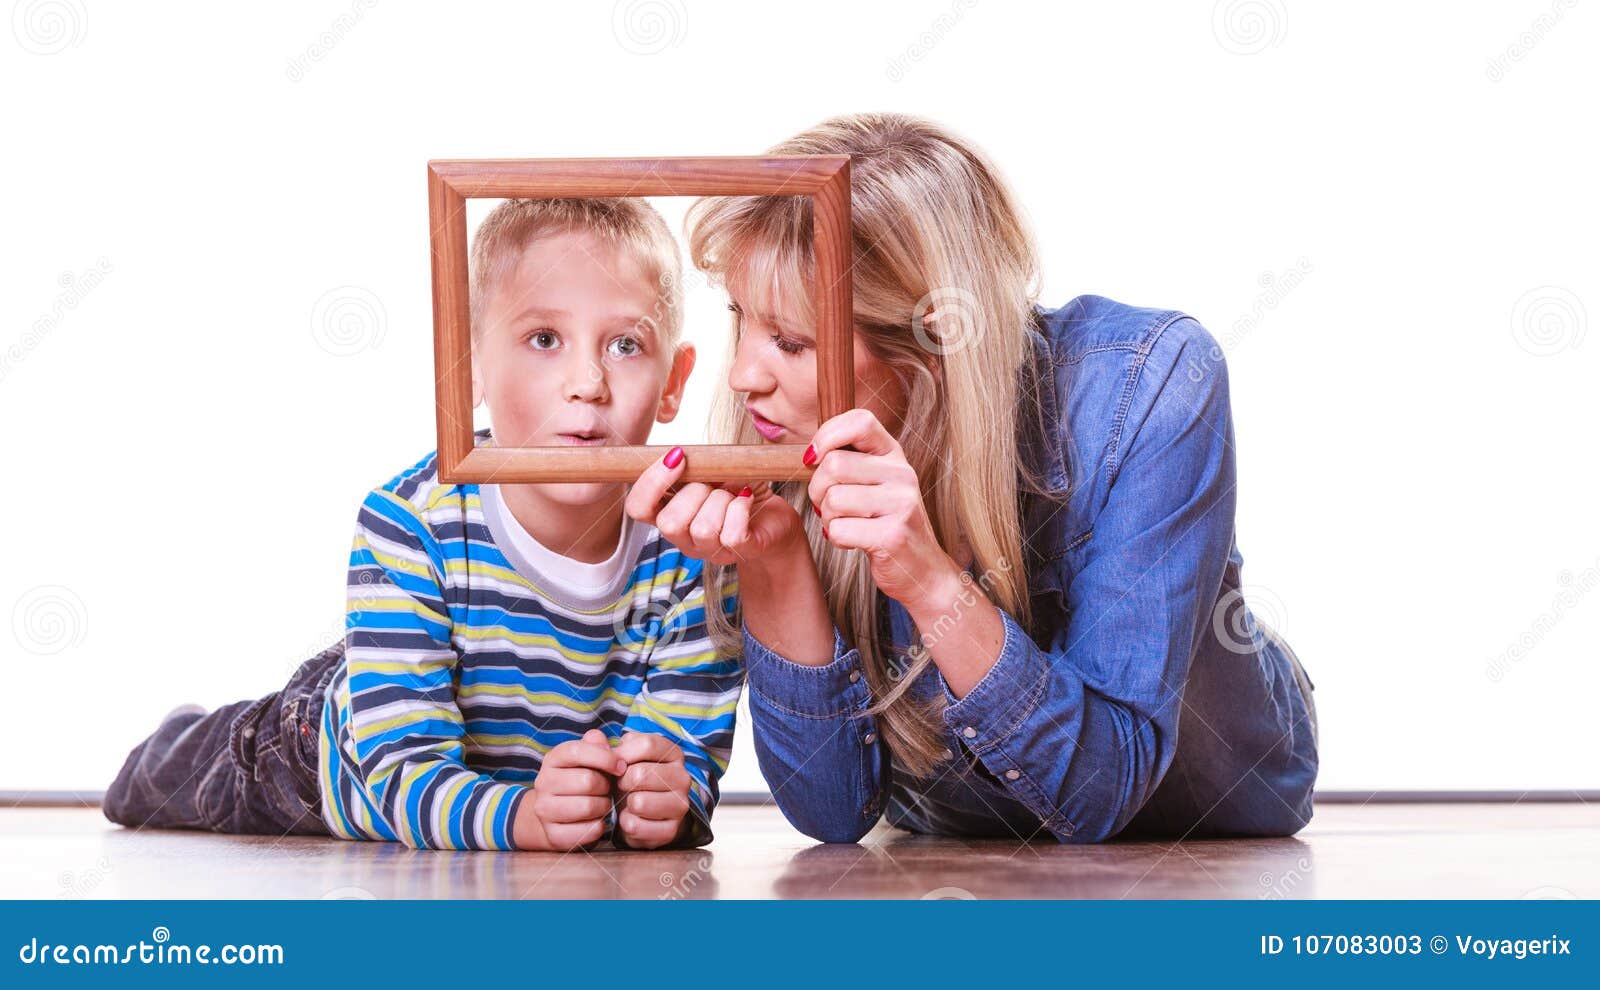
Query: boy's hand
x=571, y=796
x=654, y=789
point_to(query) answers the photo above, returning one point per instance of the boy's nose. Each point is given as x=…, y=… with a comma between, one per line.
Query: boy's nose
x=586, y=380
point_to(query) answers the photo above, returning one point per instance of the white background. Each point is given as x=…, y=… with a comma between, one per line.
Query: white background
x=217, y=326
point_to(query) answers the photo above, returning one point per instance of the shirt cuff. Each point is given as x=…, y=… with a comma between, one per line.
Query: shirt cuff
x=838, y=687
x=1005, y=696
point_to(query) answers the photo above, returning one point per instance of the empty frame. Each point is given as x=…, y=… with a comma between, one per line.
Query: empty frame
x=824, y=178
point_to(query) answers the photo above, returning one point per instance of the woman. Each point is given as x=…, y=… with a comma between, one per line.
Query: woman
x=1007, y=599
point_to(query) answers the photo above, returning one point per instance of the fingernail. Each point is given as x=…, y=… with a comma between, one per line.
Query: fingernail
x=745, y=492
x=674, y=457
x=810, y=456
x=815, y=508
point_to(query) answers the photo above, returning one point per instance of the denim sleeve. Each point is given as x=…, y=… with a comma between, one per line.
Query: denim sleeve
x=1082, y=728
x=818, y=751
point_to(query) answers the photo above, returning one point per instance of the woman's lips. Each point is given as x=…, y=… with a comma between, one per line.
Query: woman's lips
x=764, y=426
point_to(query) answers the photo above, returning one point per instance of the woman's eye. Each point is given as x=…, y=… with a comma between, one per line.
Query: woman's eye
x=626, y=346
x=543, y=340
x=787, y=346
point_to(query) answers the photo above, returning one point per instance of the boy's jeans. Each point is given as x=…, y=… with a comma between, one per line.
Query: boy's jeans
x=248, y=767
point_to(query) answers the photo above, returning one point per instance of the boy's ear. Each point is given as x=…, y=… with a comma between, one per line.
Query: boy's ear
x=677, y=378
x=477, y=378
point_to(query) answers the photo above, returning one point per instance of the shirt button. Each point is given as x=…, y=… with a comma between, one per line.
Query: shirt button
x=248, y=732
x=1013, y=774
x=970, y=732
x=855, y=675
x=870, y=738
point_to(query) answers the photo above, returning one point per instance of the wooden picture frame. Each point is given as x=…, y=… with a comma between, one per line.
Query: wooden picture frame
x=825, y=178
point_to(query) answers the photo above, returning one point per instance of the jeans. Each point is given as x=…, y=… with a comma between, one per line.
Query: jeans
x=248, y=767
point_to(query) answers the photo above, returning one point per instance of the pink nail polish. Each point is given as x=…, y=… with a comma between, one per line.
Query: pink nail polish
x=674, y=457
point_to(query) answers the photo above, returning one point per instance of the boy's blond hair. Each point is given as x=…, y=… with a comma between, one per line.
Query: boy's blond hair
x=632, y=226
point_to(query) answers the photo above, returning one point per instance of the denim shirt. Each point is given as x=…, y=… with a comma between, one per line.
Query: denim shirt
x=1145, y=699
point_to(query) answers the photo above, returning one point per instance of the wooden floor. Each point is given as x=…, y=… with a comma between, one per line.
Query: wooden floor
x=1349, y=851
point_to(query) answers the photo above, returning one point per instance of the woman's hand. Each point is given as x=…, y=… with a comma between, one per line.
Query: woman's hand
x=870, y=499
x=715, y=524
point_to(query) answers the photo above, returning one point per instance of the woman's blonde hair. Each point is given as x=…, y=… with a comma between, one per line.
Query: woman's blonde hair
x=944, y=280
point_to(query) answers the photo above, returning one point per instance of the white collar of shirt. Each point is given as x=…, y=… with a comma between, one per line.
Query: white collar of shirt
x=582, y=578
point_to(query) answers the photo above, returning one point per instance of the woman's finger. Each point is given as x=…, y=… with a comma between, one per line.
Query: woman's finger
x=857, y=428
x=848, y=467
x=705, y=531
x=673, y=520
x=644, y=498
x=736, y=521
x=858, y=501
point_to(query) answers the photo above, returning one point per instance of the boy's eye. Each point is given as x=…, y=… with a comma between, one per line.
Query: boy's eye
x=626, y=346
x=543, y=340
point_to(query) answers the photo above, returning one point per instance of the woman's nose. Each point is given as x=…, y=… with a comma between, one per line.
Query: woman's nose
x=748, y=373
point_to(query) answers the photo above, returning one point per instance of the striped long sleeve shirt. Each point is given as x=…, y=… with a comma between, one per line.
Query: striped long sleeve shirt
x=463, y=667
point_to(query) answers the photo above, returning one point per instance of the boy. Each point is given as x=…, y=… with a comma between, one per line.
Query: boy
x=524, y=666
